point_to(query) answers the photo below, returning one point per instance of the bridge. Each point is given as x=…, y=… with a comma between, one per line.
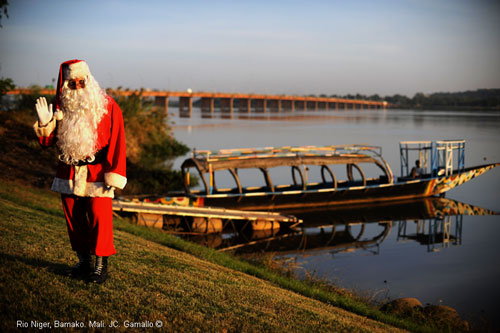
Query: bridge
x=226, y=102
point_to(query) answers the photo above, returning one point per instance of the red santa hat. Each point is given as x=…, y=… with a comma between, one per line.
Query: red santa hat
x=68, y=70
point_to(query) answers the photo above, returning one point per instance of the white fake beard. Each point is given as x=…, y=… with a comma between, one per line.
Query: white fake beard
x=77, y=132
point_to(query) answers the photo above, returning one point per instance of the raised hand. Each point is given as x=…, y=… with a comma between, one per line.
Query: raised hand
x=44, y=112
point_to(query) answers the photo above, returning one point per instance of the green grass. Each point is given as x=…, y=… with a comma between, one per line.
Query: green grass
x=156, y=276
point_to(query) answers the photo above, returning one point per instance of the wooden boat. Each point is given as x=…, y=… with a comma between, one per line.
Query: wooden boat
x=181, y=216
x=440, y=173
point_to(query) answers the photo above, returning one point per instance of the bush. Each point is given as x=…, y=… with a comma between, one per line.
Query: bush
x=150, y=146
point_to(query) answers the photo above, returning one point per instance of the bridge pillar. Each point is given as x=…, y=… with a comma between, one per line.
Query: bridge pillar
x=244, y=105
x=162, y=101
x=260, y=105
x=271, y=105
x=226, y=105
x=274, y=105
x=288, y=105
x=207, y=104
x=186, y=102
x=249, y=105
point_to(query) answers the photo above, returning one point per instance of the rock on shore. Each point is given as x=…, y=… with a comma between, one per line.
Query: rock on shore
x=441, y=315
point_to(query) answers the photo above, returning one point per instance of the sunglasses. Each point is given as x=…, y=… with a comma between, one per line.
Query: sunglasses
x=76, y=84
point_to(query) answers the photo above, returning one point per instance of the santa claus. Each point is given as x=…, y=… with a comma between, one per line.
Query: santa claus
x=87, y=128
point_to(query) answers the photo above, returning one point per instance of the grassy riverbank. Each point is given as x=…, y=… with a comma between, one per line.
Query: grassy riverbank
x=155, y=277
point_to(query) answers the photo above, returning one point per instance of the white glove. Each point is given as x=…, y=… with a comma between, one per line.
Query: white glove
x=45, y=112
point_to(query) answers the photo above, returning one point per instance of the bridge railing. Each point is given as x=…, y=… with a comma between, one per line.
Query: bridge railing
x=220, y=95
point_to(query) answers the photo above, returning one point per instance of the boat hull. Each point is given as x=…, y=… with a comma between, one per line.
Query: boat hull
x=402, y=190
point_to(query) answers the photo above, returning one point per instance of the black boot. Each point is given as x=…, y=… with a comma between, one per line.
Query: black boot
x=83, y=267
x=100, y=273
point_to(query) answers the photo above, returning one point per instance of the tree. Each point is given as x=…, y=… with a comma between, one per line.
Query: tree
x=399, y=100
x=419, y=100
x=6, y=84
x=3, y=10
x=375, y=97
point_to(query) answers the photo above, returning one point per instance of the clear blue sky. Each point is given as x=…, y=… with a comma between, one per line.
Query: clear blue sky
x=293, y=47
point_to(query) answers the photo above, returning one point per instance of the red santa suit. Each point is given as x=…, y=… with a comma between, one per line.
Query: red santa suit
x=87, y=186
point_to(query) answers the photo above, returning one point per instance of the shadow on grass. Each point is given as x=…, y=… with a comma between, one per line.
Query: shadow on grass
x=56, y=268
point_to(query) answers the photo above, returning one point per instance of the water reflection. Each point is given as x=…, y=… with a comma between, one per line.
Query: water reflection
x=434, y=233
x=461, y=276
x=185, y=114
x=207, y=115
x=432, y=222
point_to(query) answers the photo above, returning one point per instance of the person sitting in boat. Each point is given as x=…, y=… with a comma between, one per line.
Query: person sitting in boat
x=416, y=171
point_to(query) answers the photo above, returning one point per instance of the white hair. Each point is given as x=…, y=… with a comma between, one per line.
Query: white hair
x=83, y=110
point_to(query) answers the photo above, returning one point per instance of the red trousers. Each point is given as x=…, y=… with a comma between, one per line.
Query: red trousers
x=90, y=224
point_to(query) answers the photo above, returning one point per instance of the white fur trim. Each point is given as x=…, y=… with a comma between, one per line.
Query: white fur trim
x=97, y=189
x=115, y=180
x=76, y=70
x=80, y=182
x=45, y=131
x=58, y=115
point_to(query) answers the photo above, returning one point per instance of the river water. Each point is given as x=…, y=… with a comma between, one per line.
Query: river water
x=462, y=273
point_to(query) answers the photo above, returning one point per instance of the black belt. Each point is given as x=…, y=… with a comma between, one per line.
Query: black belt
x=98, y=158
